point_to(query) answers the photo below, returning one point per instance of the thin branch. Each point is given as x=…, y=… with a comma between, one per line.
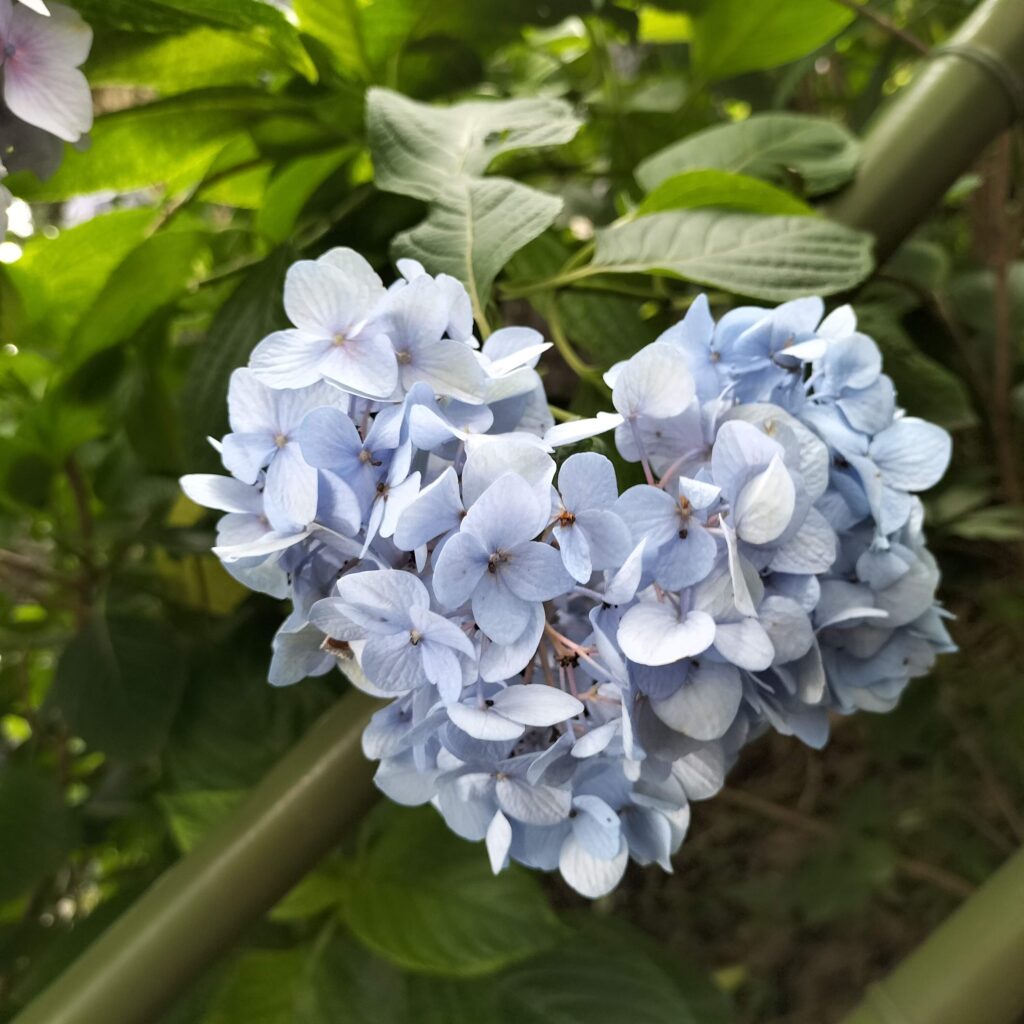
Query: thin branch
x=909, y=867
x=886, y=25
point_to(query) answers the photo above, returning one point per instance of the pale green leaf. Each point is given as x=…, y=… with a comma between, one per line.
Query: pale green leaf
x=773, y=258
x=734, y=36
x=475, y=228
x=723, y=189
x=782, y=148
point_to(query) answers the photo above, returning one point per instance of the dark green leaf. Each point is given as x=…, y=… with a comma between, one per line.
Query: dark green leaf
x=289, y=190
x=253, y=311
x=427, y=901
x=118, y=683
x=38, y=828
x=191, y=815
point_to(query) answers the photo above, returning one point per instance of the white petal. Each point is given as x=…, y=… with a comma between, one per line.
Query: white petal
x=706, y=704
x=745, y=643
x=765, y=506
x=537, y=704
x=591, y=876
x=575, y=431
x=651, y=633
x=499, y=839
x=655, y=382
x=484, y=723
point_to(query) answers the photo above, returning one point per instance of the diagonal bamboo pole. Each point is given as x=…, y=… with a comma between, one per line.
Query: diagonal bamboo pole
x=969, y=971
x=193, y=913
x=929, y=135
x=964, y=96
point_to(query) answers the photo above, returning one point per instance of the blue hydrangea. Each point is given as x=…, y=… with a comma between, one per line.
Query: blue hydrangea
x=568, y=665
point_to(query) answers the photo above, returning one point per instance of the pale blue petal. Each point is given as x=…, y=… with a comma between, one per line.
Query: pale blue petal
x=330, y=616
x=289, y=359
x=650, y=514
x=498, y=612
x=744, y=643
x=912, y=454
x=499, y=839
x=290, y=493
x=706, y=704
x=329, y=440
x=393, y=663
x=222, y=492
x=587, y=481
x=654, y=382
x=765, y=505
x=499, y=662
x=505, y=515
x=364, y=366
x=532, y=804
x=574, y=551
x=534, y=572
x=458, y=570
x=608, y=536
x=244, y=455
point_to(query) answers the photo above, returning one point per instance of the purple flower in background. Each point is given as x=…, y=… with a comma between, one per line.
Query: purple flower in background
x=40, y=56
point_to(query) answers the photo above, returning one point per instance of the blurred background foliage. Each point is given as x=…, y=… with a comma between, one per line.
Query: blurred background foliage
x=231, y=139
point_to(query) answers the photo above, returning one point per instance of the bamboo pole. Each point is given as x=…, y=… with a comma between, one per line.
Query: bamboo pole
x=969, y=971
x=192, y=913
x=931, y=132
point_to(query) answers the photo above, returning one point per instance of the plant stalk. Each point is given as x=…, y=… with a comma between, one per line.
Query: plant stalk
x=191, y=915
x=934, y=129
x=969, y=971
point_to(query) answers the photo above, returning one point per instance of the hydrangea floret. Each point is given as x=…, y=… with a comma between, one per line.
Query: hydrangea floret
x=568, y=665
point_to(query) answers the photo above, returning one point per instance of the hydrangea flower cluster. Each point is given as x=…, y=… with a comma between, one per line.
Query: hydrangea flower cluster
x=44, y=97
x=568, y=666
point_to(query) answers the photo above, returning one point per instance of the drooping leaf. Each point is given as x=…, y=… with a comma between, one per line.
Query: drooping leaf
x=439, y=155
x=722, y=189
x=170, y=143
x=172, y=64
x=783, y=148
x=290, y=189
x=38, y=828
x=734, y=36
x=774, y=258
x=262, y=21
x=118, y=683
x=338, y=25
x=152, y=276
x=427, y=901
x=59, y=278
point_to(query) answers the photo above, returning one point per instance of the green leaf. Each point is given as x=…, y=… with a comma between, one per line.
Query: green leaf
x=784, y=148
x=606, y=327
x=722, y=189
x=38, y=828
x=605, y=976
x=262, y=21
x=439, y=154
x=201, y=58
x=152, y=276
x=59, y=278
x=337, y=24
x=427, y=901
x=773, y=258
x=924, y=386
x=119, y=682
x=262, y=987
x=252, y=311
x=475, y=228
x=170, y=143
x=319, y=891
x=290, y=190
x=191, y=815
x=1004, y=523
x=734, y=36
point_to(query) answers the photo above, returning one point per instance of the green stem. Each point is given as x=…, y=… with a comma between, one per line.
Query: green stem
x=193, y=913
x=968, y=971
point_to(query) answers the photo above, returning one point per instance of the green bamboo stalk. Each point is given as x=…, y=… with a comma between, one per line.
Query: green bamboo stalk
x=963, y=97
x=193, y=913
x=969, y=971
